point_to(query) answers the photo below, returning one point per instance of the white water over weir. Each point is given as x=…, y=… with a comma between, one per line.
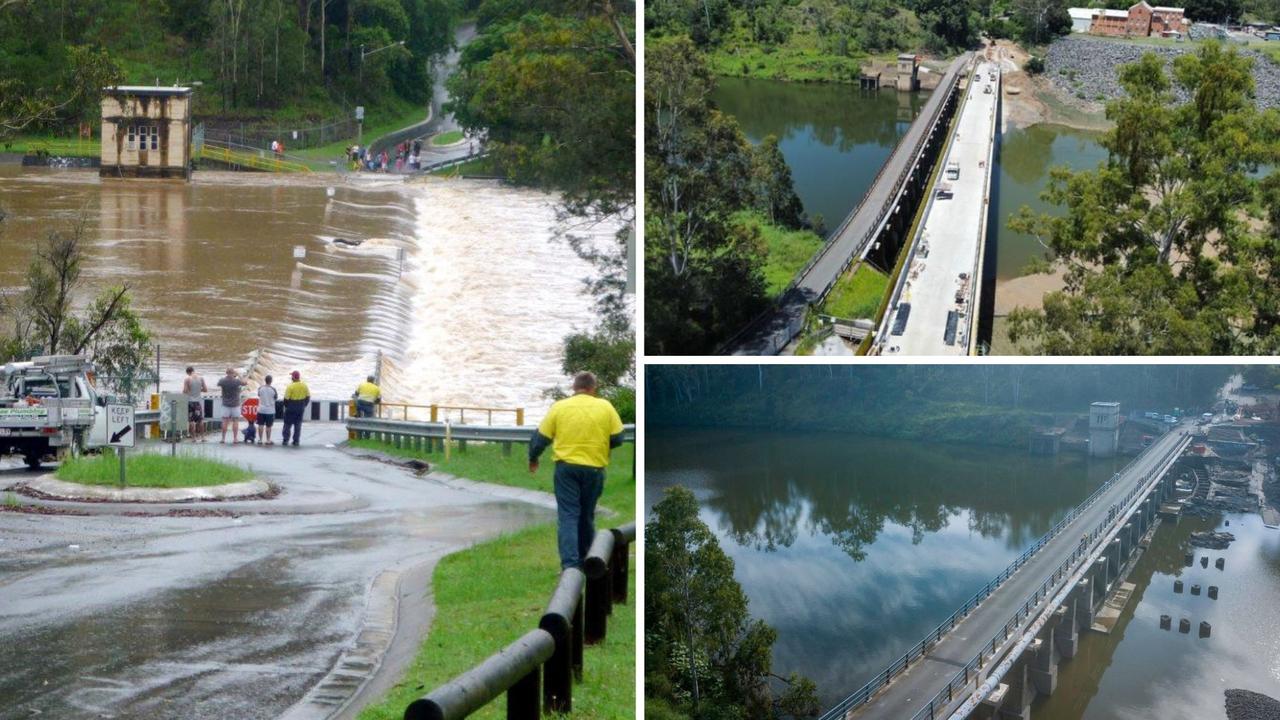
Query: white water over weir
x=461, y=285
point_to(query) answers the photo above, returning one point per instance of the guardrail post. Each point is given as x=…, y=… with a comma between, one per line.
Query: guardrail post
x=558, y=620
x=599, y=594
x=579, y=619
x=523, y=702
x=462, y=445
x=618, y=563
x=506, y=449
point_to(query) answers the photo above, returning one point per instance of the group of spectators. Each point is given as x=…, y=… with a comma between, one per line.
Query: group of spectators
x=407, y=158
x=297, y=396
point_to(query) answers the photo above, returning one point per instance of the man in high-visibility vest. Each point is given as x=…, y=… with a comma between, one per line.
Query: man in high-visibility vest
x=581, y=429
x=367, y=395
x=297, y=396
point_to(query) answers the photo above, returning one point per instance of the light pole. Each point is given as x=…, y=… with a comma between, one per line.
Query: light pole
x=364, y=55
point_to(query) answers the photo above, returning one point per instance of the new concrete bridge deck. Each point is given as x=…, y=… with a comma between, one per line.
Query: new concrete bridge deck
x=857, y=235
x=913, y=692
x=934, y=307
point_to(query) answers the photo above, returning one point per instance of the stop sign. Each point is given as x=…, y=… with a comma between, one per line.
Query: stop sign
x=249, y=409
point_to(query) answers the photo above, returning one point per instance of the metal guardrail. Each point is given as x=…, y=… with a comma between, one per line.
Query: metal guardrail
x=428, y=435
x=255, y=158
x=435, y=409
x=945, y=696
x=550, y=656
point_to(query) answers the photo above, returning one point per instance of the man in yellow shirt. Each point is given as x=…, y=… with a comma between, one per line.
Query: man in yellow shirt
x=367, y=395
x=297, y=396
x=581, y=429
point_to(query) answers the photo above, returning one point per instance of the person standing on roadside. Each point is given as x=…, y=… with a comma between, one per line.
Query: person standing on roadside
x=267, y=397
x=231, y=383
x=581, y=430
x=367, y=396
x=193, y=387
x=297, y=396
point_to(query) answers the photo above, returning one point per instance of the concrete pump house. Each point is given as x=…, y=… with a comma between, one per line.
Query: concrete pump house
x=146, y=132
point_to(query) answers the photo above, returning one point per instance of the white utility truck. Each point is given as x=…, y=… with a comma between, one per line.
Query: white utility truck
x=49, y=407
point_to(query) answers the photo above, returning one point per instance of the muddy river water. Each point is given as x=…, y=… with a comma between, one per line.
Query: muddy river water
x=461, y=284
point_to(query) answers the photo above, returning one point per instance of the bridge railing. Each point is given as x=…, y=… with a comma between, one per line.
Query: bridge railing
x=946, y=696
x=537, y=671
x=864, y=694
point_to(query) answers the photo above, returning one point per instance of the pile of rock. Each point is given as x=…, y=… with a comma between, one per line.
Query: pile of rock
x=1086, y=68
x=1247, y=705
x=1212, y=540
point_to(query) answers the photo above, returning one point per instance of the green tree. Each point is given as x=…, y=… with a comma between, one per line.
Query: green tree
x=703, y=651
x=951, y=23
x=1216, y=11
x=1167, y=247
x=702, y=278
x=775, y=195
x=50, y=316
x=1041, y=20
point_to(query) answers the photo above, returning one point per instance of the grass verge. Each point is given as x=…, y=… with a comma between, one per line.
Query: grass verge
x=151, y=470
x=447, y=138
x=787, y=250
x=494, y=592
x=858, y=294
x=479, y=166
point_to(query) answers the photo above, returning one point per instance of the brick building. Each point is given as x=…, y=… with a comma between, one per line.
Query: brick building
x=1140, y=20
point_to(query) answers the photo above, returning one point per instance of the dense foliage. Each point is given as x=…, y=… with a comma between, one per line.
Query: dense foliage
x=705, y=657
x=552, y=86
x=49, y=316
x=1173, y=245
x=703, y=272
x=253, y=57
x=993, y=404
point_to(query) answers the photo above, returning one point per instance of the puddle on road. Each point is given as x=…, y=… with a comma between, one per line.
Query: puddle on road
x=246, y=644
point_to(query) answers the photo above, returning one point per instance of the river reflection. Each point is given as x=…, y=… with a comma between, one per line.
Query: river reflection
x=1023, y=161
x=834, y=137
x=460, y=284
x=854, y=548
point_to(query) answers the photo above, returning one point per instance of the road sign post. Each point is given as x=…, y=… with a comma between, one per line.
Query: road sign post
x=120, y=432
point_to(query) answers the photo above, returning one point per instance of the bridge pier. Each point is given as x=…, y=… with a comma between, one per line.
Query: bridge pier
x=1067, y=633
x=1017, y=702
x=1097, y=588
x=1044, y=666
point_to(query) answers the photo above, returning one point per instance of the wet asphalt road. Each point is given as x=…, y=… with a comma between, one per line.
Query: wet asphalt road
x=217, y=617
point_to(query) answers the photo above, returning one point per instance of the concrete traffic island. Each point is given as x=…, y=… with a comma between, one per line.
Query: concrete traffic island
x=51, y=488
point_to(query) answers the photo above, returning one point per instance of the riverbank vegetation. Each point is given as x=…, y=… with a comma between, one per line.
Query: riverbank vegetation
x=255, y=61
x=1171, y=246
x=705, y=657
x=150, y=470
x=491, y=594
x=716, y=209
x=984, y=405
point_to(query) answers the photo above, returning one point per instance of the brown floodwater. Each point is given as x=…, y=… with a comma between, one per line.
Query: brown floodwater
x=461, y=284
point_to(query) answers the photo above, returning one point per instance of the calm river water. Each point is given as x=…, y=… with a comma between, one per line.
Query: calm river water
x=835, y=137
x=460, y=283
x=854, y=548
x=1025, y=157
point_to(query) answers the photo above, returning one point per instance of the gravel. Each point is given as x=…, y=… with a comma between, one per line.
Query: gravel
x=1083, y=66
x=1247, y=705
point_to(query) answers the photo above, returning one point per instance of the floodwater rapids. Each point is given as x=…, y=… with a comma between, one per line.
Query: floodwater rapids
x=462, y=285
